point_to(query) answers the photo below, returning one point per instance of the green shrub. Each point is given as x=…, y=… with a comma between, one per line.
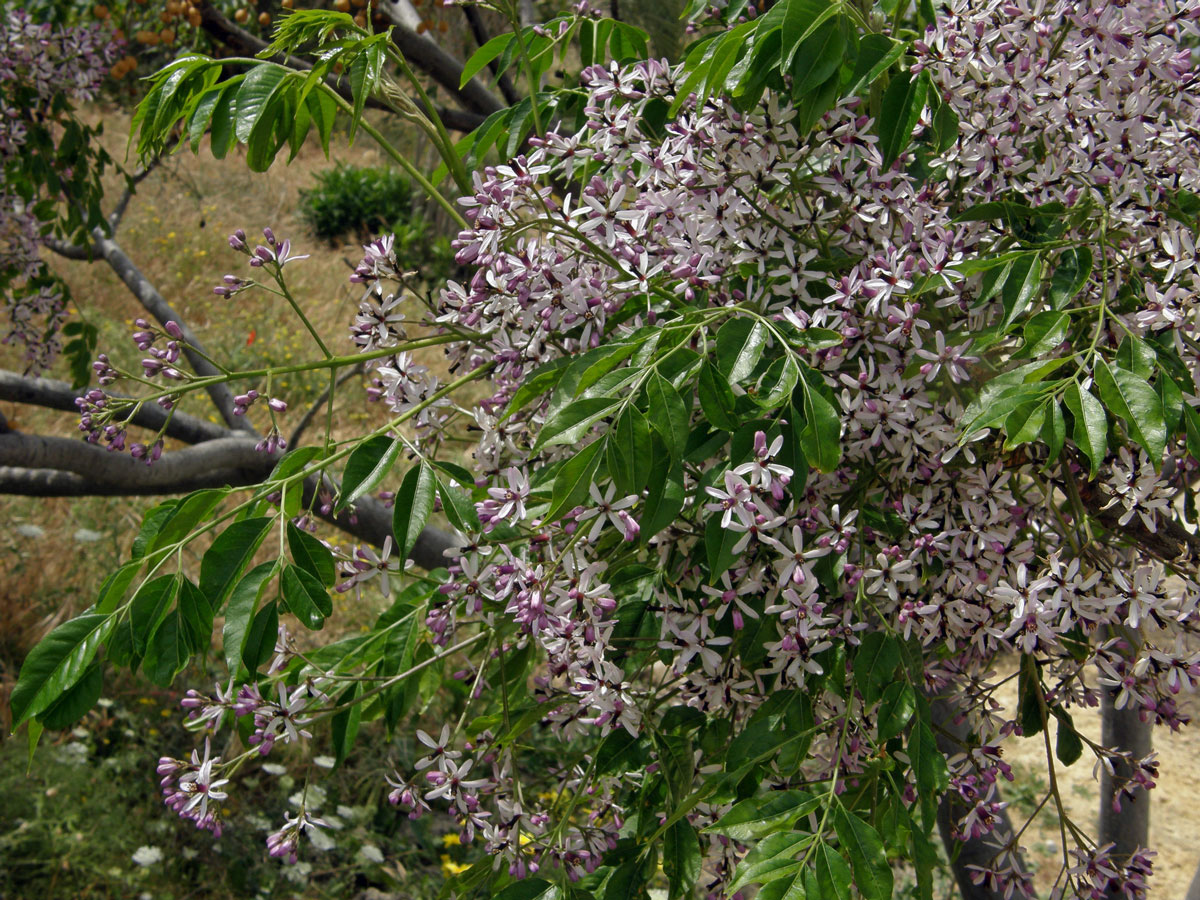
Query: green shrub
x=355, y=201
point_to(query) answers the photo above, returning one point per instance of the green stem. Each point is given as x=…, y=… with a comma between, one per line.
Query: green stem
x=287, y=295
x=457, y=170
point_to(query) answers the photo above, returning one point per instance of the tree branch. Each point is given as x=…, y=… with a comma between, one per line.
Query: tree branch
x=437, y=63
x=59, y=395
x=34, y=465
x=952, y=733
x=120, y=470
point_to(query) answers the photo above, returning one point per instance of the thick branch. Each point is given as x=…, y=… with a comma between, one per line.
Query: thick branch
x=221, y=29
x=952, y=735
x=32, y=451
x=34, y=465
x=61, y=396
x=437, y=63
x=157, y=306
x=1128, y=828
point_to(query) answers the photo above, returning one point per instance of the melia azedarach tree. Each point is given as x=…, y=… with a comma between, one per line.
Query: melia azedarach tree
x=805, y=380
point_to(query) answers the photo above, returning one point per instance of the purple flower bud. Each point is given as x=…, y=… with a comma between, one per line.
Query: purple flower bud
x=237, y=240
x=276, y=404
x=270, y=236
x=173, y=329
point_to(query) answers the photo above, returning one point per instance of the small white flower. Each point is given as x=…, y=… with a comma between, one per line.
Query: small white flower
x=370, y=853
x=147, y=855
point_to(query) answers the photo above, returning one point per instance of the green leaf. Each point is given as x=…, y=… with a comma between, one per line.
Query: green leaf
x=1091, y=425
x=760, y=816
x=229, y=554
x=1043, y=333
x=223, y=131
x=874, y=663
x=740, y=344
x=777, y=383
x=820, y=436
x=260, y=638
x=1135, y=355
x=343, y=727
x=305, y=596
x=75, y=702
x=459, y=507
x=868, y=859
x=149, y=609
x=414, y=504
x=311, y=555
x=1068, y=746
x=367, y=466
x=716, y=399
x=670, y=415
x=364, y=76
x=945, y=128
x=772, y=859
x=1130, y=397
x=629, y=452
x=1191, y=425
x=876, y=54
x=928, y=765
x=1171, y=398
x=718, y=545
x=1054, y=431
x=1024, y=424
x=112, y=591
x=240, y=612
x=832, y=875
x=57, y=662
x=294, y=461
x=322, y=109
x=781, y=728
x=784, y=889
x=896, y=708
x=529, y=889
x=187, y=514
x=901, y=108
x=572, y=481
x=665, y=497
x=485, y=55
x=681, y=859
x=202, y=116
x=167, y=652
x=1070, y=275
x=255, y=92
x=801, y=19
x=818, y=57
x=1022, y=285
x=197, y=617
x=572, y=422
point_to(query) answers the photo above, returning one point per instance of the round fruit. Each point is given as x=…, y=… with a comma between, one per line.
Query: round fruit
x=167, y=36
x=286, y=4
x=100, y=11
x=264, y=19
x=361, y=20
x=242, y=15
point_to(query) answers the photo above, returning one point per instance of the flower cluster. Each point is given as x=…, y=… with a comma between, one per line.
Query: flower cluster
x=721, y=445
x=41, y=68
